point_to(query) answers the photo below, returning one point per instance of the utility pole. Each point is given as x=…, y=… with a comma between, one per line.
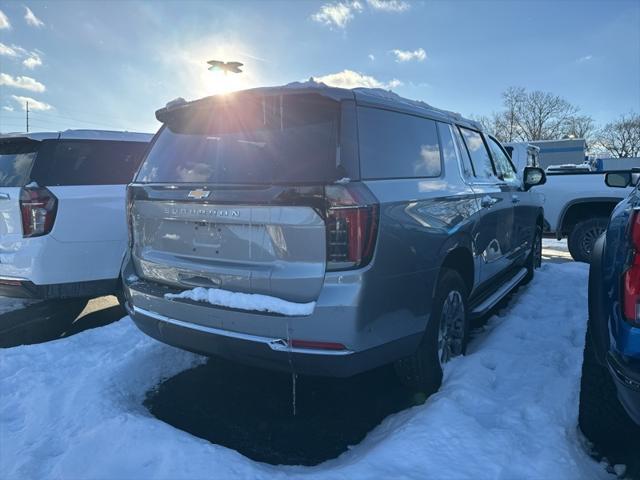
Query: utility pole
x=27, y=117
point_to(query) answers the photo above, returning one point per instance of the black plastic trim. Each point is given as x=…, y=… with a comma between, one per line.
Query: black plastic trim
x=598, y=315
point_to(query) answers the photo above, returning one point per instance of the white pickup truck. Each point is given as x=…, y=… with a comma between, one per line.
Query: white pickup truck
x=62, y=211
x=577, y=203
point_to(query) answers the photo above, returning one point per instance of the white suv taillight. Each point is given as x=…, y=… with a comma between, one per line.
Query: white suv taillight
x=38, y=207
x=352, y=226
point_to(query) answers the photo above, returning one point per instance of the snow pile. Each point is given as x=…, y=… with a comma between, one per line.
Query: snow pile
x=245, y=301
x=72, y=408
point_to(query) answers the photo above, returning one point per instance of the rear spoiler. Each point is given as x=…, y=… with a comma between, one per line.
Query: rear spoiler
x=34, y=137
x=336, y=94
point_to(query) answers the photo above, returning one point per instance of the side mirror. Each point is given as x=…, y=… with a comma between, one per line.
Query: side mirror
x=533, y=176
x=618, y=179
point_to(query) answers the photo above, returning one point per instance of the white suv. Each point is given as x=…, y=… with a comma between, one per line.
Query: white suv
x=62, y=211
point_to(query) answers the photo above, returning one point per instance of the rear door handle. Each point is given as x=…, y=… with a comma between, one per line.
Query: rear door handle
x=488, y=201
x=515, y=199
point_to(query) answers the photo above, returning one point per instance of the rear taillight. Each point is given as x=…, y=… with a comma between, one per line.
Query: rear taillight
x=352, y=226
x=631, y=278
x=38, y=207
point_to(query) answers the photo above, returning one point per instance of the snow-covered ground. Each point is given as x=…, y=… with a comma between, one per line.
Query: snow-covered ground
x=553, y=244
x=72, y=408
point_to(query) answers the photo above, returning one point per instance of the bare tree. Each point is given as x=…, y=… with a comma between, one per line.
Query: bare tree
x=581, y=126
x=536, y=115
x=543, y=116
x=509, y=118
x=622, y=137
x=493, y=124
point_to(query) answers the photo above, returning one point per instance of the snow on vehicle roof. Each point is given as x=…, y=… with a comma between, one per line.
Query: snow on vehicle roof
x=363, y=96
x=112, y=135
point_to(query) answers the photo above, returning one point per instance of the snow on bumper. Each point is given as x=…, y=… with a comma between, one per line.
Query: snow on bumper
x=245, y=301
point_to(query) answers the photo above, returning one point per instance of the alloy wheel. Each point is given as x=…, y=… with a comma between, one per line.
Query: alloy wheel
x=451, y=331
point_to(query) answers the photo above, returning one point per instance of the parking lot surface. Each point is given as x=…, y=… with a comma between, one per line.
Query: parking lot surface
x=112, y=403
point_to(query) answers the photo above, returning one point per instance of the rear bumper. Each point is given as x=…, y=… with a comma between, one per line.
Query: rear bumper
x=371, y=338
x=627, y=380
x=22, y=288
x=46, y=261
x=265, y=352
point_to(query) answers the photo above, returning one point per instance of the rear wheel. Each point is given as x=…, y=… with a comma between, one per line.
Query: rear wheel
x=601, y=417
x=446, y=336
x=583, y=237
x=534, y=260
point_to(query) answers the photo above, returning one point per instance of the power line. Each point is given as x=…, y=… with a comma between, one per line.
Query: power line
x=91, y=114
x=77, y=120
x=27, y=109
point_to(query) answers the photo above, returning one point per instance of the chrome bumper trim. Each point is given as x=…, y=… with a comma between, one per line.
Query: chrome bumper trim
x=276, y=344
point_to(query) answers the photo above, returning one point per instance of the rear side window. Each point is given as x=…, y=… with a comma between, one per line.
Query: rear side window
x=451, y=151
x=87, y=162
x=467, y=167
x=479, y=155
x=16, y=160
x=397, y=145
x=502, y=162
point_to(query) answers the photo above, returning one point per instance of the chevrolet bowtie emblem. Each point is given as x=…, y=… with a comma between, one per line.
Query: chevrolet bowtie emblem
x=199, y=194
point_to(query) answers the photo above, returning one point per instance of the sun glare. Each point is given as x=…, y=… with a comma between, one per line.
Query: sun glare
x=221, y=82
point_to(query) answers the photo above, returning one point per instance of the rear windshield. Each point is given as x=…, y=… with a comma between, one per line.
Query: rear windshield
x=16, y=160
x=87, y=162
x=248, y=140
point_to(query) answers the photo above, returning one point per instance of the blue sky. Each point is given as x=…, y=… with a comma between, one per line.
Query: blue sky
x=112, y=64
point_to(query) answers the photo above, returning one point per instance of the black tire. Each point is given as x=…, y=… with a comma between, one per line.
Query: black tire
x=423, y=369
x=534, y=260
x=583, y=237
x=601, y=417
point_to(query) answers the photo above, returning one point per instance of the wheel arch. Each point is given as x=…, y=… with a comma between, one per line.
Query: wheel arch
x=598, y=315
x=457, y=255
x=582, y=209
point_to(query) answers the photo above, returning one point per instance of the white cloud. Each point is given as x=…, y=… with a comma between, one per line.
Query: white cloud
x=32, y=61
x=351, y=79
x=25, y=83
x=33, y=104
x=394, y=83
x=8, y=108
x=4, y=21
x=371, y=56
x=337, y=14
x=389, y=5
x=31, y=19
x=408, y=55
x=7, y=51
x=586, y=58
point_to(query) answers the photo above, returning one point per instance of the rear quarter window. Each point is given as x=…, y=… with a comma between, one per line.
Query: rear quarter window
x=16, y=161
x=87, y=162
x=397, y=145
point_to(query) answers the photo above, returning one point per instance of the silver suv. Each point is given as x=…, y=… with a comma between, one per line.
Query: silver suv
x=325, y=231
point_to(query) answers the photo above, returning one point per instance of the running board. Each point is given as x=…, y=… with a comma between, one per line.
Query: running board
x=498, y=295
